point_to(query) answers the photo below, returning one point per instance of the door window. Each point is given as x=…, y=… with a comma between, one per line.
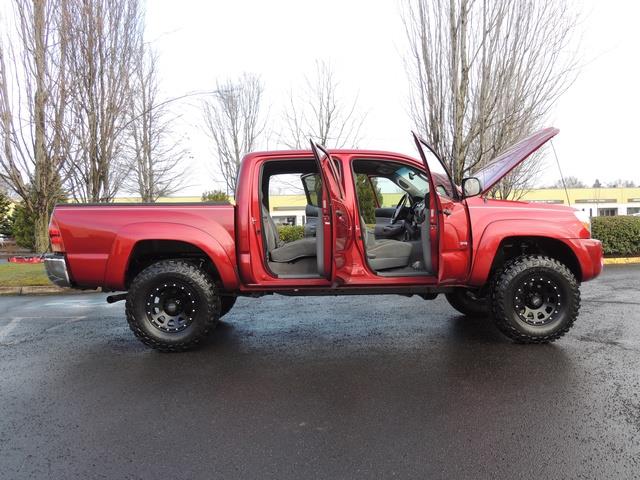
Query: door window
x=441, y=177
x=389, y=193
x=312, y=184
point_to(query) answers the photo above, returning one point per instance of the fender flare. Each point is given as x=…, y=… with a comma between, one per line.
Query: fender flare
x=495, y=232
x=128, y=236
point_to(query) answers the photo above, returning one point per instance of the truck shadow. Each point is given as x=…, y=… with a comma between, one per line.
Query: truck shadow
x=473, y=329
x=465, y=348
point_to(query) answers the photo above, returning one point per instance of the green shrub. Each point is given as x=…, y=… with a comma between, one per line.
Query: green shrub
x=215, y=196
x=289, y=233
x=619, y=235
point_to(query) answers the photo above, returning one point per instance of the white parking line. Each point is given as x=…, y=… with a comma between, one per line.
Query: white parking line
x=77, y=304
x=69, y=320
x=6, y=330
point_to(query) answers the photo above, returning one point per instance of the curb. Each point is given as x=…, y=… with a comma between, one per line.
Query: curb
x=42, y=290
x=621, y=261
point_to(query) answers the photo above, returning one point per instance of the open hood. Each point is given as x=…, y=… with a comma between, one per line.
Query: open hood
x=500, y=166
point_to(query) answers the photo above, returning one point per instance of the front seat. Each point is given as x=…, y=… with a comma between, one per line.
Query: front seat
x=281, y=252
x=383, y=254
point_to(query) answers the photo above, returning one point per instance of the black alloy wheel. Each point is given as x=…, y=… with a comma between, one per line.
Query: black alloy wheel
x=535, y=299
x=172, y=305
x=538, y=299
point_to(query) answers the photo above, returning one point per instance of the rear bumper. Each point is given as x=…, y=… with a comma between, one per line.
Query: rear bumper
x=589, y=254
x=56, y=267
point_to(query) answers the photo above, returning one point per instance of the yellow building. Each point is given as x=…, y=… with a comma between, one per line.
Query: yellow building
x=597, y=201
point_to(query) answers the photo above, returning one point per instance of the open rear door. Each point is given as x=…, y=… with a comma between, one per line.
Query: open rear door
x=334, y=222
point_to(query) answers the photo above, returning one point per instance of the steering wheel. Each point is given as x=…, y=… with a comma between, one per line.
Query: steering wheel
x=398, y=209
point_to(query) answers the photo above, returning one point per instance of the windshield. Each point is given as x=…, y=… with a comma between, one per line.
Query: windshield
x=407, y=178
x=412, y=181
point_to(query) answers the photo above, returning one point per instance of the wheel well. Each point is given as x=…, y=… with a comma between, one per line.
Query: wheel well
x=146, y=252
x=512, y=247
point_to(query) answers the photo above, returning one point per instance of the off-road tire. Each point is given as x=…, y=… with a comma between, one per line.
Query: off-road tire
x=527, y=269
x=466, y=302
x=226, y=304
x=187, y=276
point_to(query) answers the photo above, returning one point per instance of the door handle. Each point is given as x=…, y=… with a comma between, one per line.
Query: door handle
x=447, y=212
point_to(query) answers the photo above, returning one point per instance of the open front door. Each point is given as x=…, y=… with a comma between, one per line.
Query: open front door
x=334, y=222
x=444, y=199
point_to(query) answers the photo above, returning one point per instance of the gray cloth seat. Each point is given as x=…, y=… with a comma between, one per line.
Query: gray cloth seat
x=387, y=253
x=281, y=252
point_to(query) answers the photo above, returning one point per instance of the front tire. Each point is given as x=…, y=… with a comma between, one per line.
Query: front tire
x=469, y=303
x=172, y=305
x=535, y=299
x=226, y=304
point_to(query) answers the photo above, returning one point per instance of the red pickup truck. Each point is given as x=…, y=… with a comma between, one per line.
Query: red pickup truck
x=182, y=266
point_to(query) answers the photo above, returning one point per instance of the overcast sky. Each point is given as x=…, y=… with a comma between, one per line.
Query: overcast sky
x=200, y=42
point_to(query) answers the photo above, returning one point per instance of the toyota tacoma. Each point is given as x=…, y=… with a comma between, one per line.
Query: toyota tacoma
x=181, y=267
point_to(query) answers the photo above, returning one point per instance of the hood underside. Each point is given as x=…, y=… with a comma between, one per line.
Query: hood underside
x=504, y=163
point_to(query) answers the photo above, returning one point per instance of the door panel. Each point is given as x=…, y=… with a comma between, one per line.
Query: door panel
x=449, y=218
x=384, y=229
x=435, y=212
x=342, y=234
x=456, y=245
x=337, y=224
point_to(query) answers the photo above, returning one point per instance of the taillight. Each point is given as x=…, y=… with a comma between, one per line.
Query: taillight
x=55, y=236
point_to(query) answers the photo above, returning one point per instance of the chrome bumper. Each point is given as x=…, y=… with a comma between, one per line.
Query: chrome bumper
x=56, y=267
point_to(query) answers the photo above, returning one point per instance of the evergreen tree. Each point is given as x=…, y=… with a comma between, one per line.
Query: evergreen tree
x=366, y=199
x=23, y=228
x=5, y=217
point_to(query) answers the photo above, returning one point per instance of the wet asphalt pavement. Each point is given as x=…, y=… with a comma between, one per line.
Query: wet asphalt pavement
x=345, y=387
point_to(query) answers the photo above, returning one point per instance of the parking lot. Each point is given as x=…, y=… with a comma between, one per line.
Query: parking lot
x=321, y=387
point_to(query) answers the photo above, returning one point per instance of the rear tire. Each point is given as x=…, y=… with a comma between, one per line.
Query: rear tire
x=469, y=303
x=535, y=299
x=172, y=305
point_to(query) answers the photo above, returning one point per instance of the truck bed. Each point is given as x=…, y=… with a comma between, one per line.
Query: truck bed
x=98, y=238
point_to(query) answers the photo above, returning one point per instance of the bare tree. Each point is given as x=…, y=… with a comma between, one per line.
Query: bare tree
x=569, y=182
x=34, y=95
x=106, y=35
x=321, y=114
x=233, y=120
x=484, y=74
x=156, y=153
x=622, y=183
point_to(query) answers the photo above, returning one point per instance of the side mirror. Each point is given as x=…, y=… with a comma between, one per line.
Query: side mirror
x=471, y=187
